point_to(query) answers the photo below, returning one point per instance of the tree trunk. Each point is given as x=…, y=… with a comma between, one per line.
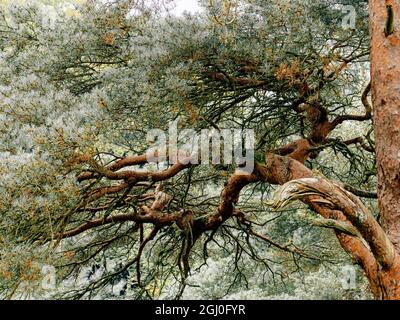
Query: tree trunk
x=388, y=282
x=385, y=77
x=385, y=86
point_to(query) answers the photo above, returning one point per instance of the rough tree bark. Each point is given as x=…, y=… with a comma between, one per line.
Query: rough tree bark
x=385, y=75
x=385, y=85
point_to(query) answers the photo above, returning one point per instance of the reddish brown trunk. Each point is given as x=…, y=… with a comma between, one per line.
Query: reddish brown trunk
x=389, y=282
x=385, y=75
x=385, y=78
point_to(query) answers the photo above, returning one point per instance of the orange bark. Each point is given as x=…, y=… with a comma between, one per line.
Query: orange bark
x=385, y=85
x=385, y=75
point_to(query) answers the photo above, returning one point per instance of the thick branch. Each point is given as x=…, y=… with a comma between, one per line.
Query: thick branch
x=322, y=191
x=126, y=162
x=137, y=176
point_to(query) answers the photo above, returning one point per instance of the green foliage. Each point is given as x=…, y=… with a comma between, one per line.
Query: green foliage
x=91, y=83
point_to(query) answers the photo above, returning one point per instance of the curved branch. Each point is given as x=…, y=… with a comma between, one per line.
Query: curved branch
x=150, y=237
x=101, y=192
x=137, y=176
x=361, y=193
x=339, y=225
x=94, y=224
x=326, y=193
x=368, y=110
x=285, y=248
x=126, y=162
x=362, y=143
x=229, y=198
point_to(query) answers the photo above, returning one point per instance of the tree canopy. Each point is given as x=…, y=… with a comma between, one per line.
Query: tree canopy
x=82, y=84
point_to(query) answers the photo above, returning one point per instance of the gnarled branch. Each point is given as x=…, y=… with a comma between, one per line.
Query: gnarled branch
x=326, y=193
